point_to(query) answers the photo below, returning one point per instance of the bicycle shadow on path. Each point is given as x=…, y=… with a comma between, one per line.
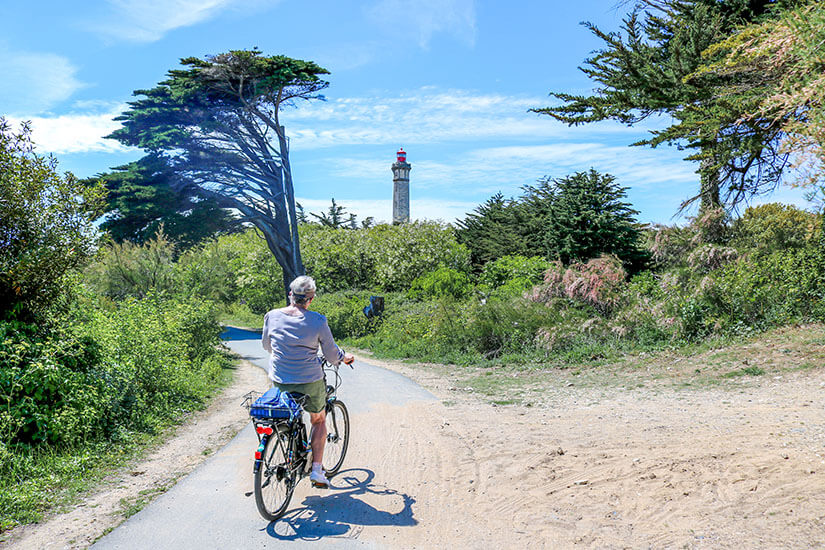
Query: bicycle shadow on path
x=338, y=512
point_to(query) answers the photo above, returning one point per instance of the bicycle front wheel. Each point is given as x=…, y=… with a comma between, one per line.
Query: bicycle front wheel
x=337, y=437
x=275, y=479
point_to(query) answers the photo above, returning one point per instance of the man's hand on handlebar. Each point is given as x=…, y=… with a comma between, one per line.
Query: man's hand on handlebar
x=349, y=358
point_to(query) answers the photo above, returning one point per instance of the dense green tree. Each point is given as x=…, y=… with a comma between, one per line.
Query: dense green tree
x=140, y=199
x=46, y=225
x=217, y=123
x=651, y=69
x=587, y=218
x=785, y=56
x=492, y=230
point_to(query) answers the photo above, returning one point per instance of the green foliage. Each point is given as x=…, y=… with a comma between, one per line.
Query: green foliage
x=344, y=311
x=772, y=227
x=444, y=282
x=141, y=199
x=587, y=218
x=49, y=391
x=648, y=69
x=513, y=274
x=577, y=217
x=126, y=269
x=494, y=229
x=385, y=257
x=336, y=258
x=45, y=225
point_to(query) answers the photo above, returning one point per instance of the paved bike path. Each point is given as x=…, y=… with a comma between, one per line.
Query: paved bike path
x=213, y=507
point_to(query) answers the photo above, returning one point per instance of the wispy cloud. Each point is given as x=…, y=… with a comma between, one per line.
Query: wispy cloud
x=34, y=82
x=427, y=115
x=150, y=20
x=77, y=132
x=420, y=20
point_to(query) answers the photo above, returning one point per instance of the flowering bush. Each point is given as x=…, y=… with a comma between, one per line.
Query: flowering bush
x=598, y=283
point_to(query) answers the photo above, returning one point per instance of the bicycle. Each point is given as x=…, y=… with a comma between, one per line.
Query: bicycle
x=283, y=456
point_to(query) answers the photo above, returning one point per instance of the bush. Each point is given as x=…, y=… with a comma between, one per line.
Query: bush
x=126, y=269
x=444, y=282
x=598, y=283
x=517, y=273
x=345, y=313
x=337, y=259
x=772, y=227
x=49, y=388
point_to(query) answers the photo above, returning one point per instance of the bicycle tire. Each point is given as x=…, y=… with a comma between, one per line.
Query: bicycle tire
x=335, y=449
x=275, y=480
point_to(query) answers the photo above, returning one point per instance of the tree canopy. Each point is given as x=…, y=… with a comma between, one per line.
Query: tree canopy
x=141, y=198
x=785, y=55
x=651, y=69
x=574, y=218
x=46, y=225
x=216, y=122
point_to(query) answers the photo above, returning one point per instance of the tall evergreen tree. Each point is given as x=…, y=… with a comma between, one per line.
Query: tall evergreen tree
x=141, y=198
x=649, y=70
x=493, y=230
x=217, y=123
x=587, y=217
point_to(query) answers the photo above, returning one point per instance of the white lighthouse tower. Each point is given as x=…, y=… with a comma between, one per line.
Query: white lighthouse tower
x=401, y=188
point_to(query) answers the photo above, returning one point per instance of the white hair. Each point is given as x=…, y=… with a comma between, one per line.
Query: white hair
x=301, y=289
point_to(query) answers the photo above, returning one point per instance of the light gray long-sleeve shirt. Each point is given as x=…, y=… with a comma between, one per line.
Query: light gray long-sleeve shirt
x=293, y=343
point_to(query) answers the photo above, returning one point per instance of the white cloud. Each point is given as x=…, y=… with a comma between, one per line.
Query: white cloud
x=428, y=115
x=149, y=20
x=79, y=132
x=381, y=209
x=34, y=82
x=421, y=19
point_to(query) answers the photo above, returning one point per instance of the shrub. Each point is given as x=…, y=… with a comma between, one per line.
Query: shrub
x=598, y=283
x=401, y=253
x=709, y=257
x=49, y=391
x=345, y=313
x=444, y=282
x=126, y=269
x=517, y=273
x=670, y=245
x=338, y=259
x=771, y=227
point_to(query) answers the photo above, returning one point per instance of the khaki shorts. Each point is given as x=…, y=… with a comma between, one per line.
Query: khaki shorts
x=316, y=393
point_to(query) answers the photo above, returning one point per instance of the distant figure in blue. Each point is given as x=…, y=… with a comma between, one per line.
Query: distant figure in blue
x=292, y=336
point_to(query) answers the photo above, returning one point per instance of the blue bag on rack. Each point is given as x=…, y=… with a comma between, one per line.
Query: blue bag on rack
x=275, y=404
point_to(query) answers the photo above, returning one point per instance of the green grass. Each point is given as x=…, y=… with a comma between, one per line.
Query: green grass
x=746, y=371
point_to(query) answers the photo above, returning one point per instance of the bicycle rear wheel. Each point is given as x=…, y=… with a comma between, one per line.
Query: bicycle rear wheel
x=276, y=478
x=337, y=437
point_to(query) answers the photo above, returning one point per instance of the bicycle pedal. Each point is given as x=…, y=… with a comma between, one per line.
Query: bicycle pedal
x=320, y=485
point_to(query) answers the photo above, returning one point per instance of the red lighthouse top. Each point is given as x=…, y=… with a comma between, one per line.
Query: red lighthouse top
x=401, y=155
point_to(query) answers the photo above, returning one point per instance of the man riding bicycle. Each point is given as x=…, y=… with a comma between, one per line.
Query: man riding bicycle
x=292, y=336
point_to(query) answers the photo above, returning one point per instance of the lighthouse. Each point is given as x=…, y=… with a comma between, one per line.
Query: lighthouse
x=401, y=188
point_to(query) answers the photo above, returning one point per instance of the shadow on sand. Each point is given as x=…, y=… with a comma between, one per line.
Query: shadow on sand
x=340, y=513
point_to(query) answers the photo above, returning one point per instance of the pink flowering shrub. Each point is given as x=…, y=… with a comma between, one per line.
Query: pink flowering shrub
x=599, y=283
x=709, y=257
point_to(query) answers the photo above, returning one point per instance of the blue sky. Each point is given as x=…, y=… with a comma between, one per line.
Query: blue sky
x=449, y=80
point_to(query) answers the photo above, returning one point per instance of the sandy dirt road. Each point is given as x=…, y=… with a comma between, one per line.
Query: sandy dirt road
x=593, y=467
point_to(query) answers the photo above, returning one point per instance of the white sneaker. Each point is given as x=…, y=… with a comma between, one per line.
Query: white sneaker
x=319, y=480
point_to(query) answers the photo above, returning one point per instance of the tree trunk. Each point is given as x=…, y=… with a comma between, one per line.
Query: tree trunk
x=709, y=191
